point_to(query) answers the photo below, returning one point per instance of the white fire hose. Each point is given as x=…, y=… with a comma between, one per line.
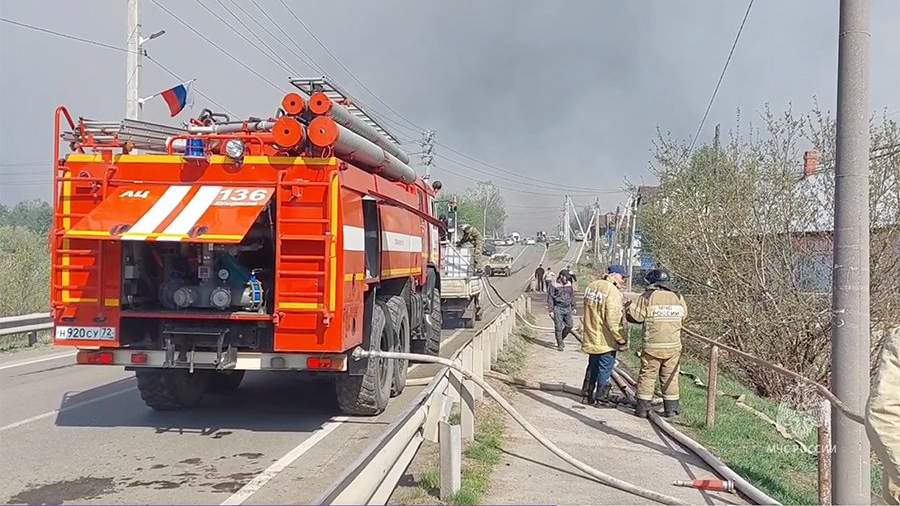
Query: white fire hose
x=531, y=429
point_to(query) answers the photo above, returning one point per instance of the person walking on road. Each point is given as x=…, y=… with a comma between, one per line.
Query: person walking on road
x=883, y=418
x=561, y=305
x=549, y=278
x=539, y=277
x=661, y=310
x=603, y=333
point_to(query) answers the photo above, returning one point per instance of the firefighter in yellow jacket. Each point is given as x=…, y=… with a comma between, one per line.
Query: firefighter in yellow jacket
x=883, y=418
x=661, y=310
x=604, y=333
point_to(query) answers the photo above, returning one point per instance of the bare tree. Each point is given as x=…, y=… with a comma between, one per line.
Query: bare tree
x=748, y=236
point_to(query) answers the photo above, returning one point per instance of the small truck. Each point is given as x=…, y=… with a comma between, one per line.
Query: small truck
x=499, y=265
x=460, y=286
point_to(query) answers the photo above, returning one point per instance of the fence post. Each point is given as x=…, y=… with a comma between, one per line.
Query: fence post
x=495, y=337
x=455, y=386
x=467, y=397
x=824, y=443
x=478, y=363
x=451, y=459
x=487, y=348
x=32, y=338
x=434, y=415
x=712, y=388
x=512, y=317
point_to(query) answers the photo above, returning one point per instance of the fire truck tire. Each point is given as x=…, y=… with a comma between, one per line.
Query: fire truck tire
x=224, y=382
x=368, y=394
x=169, y=389
x=433, y=323
x=399, y=314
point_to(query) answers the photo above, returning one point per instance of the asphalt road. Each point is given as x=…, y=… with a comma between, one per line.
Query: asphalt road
x=71, y=433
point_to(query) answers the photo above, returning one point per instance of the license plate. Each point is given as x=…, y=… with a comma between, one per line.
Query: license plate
x=89, y=333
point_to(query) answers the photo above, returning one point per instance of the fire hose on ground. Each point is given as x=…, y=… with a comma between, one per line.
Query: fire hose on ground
x=626, y=383
x=622, y=379
x=820, y=389
x=531, y=429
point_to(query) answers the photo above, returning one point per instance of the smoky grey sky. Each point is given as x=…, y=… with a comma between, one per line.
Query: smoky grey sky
x=562, y=91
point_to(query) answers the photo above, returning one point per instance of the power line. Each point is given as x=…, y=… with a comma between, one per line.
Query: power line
x=555, y=186
x=213, y=44
x=712, y=99
x=193, y=87
x=309, y=59
x=274, y=57
x=516, y=190
x=64, y=35
x=303, y=58
x=347, y=69
x=106, y=46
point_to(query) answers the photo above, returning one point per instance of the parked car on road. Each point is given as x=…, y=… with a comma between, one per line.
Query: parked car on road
x=530, y=241
x=489, y=248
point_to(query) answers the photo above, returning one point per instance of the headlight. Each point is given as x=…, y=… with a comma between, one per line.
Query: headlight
x=234, y=149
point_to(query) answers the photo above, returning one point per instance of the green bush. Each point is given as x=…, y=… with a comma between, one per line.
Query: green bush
x=25, y=264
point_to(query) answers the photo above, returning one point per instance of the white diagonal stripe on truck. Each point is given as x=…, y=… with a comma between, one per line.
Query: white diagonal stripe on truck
x=160, y=210
x=192, y=212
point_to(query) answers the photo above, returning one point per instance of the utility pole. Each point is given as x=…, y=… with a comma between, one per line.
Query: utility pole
x=428, y=152
x=614, y=238
x=566, y=225
x=133, y=61
x=484, y=220
x=597, y=232
x=634, y=206
x=850, y=277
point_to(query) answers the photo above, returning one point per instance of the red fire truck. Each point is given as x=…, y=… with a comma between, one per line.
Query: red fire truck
x=191, y=255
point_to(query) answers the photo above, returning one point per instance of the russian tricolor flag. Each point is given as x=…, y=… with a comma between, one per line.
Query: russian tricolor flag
x=176, y=98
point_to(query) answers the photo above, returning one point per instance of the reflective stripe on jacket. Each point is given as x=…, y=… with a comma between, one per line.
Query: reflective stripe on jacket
x=661, y=311
x=602, y=319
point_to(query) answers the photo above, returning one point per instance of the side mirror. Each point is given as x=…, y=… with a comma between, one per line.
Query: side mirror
x=437, y=185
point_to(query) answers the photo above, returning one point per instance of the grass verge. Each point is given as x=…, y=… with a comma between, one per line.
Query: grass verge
x=482, y=455
x=557, y=251
x=747, y=444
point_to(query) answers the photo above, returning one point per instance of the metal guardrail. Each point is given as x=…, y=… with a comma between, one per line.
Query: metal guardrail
x=26, y=324
x=374, y=475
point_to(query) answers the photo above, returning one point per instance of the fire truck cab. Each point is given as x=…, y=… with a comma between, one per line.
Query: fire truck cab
x=191, y=255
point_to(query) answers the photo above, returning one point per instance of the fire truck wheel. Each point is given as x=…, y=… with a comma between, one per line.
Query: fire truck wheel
x=224, y=382
x=434, y=320
x=400, y=325
x=169, y=389
x=368, y=394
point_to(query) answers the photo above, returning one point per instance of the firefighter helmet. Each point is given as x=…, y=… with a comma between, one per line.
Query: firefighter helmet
x=656, y=276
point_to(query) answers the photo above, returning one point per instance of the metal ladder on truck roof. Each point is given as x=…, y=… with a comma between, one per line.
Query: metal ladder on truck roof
x=338, y=95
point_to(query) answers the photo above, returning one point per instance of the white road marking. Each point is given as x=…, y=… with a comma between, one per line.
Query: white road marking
x=544, y=255
x=281, y=464
x=519, y=255
x=38, y=360
x=67, y=408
